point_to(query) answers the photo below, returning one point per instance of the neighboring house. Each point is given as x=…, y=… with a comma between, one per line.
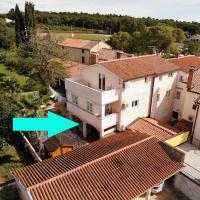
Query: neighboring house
x=62, y=143
x=83, y=51
x=122, y=166
x=113, y=94
x=182, y=105
x=195, y=38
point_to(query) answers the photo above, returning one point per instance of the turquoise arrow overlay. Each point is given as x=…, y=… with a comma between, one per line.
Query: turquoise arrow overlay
x=54, y=124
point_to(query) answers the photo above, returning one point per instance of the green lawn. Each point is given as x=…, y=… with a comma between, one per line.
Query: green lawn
x=62, y=36
x=9, y=162
x=24, y=82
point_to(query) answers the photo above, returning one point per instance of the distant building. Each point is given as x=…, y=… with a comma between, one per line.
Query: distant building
x=83, y=51
x=195, y=38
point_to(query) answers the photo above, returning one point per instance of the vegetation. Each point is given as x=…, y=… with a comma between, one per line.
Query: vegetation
x=110, y=23
x=157, y=38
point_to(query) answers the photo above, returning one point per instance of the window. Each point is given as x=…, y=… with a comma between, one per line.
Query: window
x=175, y=115
x=83, y=51
x=102, y=81
x=168, y=93
x=160, y=78
x=170, y=74
x=181, y=78
x=89, y=107
x=74, y=99
x=158, y=97
x=190, y=118
x=108, y=109
x=178, y=94
x=146, y=79
x=194, y=107
x=135, y=103
x=83, y=59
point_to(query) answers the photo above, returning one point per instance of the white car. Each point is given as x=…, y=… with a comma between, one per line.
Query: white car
x=158, y=188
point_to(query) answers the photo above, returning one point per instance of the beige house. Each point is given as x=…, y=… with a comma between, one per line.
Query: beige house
x=111, y=95
x=183, y=100
x=83, y=51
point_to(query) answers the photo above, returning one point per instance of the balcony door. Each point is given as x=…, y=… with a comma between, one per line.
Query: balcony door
x=102, y=81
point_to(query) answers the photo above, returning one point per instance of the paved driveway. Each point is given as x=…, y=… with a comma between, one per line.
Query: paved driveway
x=169, y=193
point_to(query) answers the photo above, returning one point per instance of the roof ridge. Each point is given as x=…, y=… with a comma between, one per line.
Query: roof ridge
x=159, y=126
x=91, y=162
x=181, y=57
x=120, y=59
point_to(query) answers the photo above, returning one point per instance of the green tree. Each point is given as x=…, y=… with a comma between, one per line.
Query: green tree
x=121, y=41
x=20, y=36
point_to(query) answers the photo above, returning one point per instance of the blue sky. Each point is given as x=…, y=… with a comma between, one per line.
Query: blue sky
x=188, y=10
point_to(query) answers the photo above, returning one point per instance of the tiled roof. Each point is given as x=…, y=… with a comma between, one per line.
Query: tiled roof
x=153, y=127
x=196, y=82
x=53, y=167
x=74, y=70
x=79, y=43
x=186, y=62
x=123, y=174
x=110, y=54
x=137, y=67
x=64, y=138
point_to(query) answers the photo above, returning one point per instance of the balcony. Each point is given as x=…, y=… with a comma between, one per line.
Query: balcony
x=81, y=88
x=100, y=123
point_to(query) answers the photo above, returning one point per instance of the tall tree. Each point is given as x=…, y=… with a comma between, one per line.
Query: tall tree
x=19, y=27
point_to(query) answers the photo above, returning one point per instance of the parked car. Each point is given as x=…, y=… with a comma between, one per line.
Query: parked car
x=158, y=188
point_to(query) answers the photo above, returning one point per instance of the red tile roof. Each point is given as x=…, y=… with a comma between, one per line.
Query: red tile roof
x=137, y=67
x=186, y=62
x=196, y=82
x=154, y=128
x=79, y=43
x=53, y=167
x=122, y=174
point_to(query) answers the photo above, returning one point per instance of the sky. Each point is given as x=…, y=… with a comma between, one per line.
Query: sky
x=185, y=10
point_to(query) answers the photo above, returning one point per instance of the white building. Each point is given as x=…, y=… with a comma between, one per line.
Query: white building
x=184, y=100
x=112, y=94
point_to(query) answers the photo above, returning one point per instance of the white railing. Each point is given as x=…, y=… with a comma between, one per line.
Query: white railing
x=80, y=88
x=96, y=121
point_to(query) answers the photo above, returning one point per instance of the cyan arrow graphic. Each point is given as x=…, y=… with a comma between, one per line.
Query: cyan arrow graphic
x=54, y=124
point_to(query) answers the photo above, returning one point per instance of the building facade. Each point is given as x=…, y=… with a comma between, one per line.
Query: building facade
x=110, y=95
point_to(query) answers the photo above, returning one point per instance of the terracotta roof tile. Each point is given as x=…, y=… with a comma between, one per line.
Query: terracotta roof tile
x=79, y=43
x=196, y=82
x=186, y=62
x=123, y=174
x=137, y=67
x=153, y=127
x=53, y=167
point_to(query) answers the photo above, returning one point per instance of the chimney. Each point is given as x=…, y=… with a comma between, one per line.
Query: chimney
x=94, y=58
x=119, y=54
x=190, y=77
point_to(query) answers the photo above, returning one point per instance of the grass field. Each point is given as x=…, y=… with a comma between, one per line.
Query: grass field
x=62, y=36
x=9, y=162
x=23, y=81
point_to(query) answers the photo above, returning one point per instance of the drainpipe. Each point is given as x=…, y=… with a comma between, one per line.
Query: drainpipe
x=194, y=125
x=120, y=104
x=151, y=96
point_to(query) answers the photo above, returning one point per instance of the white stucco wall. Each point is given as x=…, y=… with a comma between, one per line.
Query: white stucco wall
x=189, y=188
x=91, y=75
x=162, y=109
x=188, y=104
x=135, y=90
x=196, y=136
x=181, y=87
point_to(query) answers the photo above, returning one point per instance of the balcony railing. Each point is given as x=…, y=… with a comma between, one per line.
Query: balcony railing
x=81, y=88
x=98, y=122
